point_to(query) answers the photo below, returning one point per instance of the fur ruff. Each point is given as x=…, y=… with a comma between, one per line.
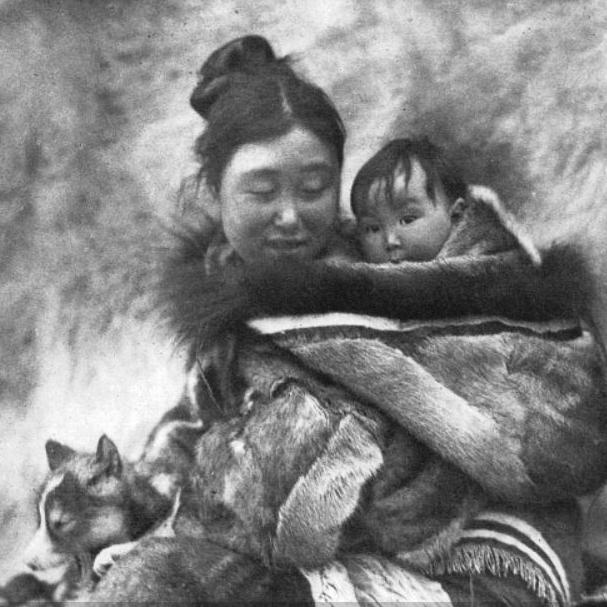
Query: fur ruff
x=488, y=267
x=505, y=284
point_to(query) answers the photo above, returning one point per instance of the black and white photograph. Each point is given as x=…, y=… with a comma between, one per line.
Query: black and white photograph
x=303, y=302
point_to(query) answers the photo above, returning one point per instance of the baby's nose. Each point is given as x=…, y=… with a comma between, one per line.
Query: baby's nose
x=392, y=241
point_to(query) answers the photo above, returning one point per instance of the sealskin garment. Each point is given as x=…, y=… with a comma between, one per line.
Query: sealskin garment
x=516, y=406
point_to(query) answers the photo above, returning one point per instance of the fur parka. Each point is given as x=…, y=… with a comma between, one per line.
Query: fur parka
x=444, y=439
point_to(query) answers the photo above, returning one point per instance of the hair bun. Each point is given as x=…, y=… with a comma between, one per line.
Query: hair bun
x=246, y=54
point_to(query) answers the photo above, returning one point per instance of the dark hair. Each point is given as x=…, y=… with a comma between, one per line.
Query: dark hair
x=437, y=167
x=246, y=94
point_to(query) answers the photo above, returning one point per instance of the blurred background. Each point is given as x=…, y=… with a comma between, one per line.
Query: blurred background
x=96, y=137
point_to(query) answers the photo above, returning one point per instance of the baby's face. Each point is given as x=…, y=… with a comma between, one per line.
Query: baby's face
x=411, y=226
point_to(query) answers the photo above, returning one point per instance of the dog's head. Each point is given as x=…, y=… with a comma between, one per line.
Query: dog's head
x=81, y=507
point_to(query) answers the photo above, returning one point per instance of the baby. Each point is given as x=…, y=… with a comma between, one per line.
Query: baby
x=411, y=204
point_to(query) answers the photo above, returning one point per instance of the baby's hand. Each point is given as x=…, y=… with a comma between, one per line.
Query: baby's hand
x=108, y=556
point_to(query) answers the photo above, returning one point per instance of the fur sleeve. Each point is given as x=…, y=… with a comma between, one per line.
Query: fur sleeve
x=504, y=284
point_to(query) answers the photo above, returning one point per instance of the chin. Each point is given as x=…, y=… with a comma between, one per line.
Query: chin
x=300, y=254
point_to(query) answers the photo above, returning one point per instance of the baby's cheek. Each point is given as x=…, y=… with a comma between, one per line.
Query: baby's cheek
x=373, y=250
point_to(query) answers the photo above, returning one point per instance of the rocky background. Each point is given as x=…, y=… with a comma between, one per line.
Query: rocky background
x=95, y=140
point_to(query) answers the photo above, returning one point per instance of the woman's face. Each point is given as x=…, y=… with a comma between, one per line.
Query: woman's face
x=279, y=198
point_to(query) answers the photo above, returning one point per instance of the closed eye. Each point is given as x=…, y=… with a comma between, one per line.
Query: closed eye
x=262, y=194
x=313, y=181
x=312, y=191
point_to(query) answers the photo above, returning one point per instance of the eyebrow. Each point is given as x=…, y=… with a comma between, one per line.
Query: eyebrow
x=271, y=172
x=259, y=174
x=317, y=166
x=406, y=202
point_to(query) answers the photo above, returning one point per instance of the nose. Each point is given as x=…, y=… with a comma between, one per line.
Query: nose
x=33, y=564
x=392, y=241
x=287, y=217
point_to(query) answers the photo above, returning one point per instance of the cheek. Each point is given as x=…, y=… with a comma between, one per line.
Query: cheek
x=243, y=223
x=441, y=231
x=374, y=249
x=429, y=238
x=319, y=218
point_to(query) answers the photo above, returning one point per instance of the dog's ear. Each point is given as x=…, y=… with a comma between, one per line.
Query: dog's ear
x=57, y=453
x=108, y=456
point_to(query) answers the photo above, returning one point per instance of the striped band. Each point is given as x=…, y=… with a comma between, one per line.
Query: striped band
x=279, y=324
x=518, y=536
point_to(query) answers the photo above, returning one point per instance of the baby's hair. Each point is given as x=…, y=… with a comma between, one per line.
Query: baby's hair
x=384, y=163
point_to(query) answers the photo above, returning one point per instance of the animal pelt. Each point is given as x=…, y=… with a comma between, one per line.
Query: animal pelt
x=302, y=476
x=193, y=571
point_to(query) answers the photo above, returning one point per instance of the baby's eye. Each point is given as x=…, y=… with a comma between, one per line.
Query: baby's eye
x=371, y=229
x=407, y=219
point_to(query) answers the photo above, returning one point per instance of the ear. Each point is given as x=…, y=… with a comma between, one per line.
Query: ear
x=57, y=453
x=457, y=210
x=108, y=456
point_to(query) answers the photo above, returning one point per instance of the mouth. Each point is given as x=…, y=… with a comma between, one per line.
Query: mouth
x=286, y=244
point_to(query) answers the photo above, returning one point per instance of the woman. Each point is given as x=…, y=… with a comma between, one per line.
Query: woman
x=271, y=157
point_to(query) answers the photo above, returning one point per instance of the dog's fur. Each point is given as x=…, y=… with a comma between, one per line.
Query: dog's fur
x=89, y=501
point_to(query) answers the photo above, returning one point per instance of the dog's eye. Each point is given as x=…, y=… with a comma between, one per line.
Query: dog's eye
x=62, y=525
x=96, y=479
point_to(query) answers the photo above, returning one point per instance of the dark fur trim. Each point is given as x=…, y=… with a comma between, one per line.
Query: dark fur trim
x=504, y=284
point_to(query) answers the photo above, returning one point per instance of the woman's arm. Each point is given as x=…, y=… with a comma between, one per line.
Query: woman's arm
x=504, y=284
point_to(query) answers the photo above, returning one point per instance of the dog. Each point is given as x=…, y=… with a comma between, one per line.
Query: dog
x=92, y=506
